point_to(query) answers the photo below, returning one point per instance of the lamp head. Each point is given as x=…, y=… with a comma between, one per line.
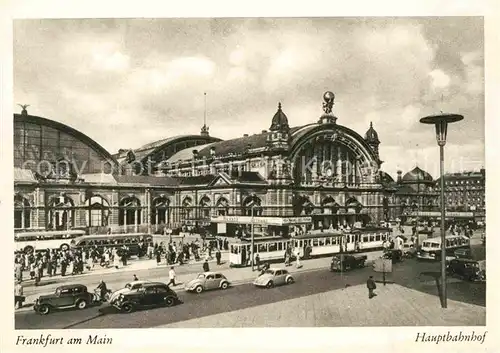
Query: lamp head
x=441, y=122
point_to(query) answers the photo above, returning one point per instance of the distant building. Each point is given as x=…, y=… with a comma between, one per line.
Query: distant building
x=464, y=191
x=411, y=193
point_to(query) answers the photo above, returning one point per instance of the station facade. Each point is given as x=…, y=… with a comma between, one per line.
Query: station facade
x=323, y=170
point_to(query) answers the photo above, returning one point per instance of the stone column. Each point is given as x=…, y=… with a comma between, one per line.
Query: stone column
x=148, y=215
x=36, y=219
x=339, y=165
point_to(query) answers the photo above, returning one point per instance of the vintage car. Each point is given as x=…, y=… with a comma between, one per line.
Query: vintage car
x=346, y=262
x=64, y=297
x=273, y=277
x=467, y=269
x=463, y=253
x=132, y=286
x=149, y=295
x=394, y=255
x=207, y=281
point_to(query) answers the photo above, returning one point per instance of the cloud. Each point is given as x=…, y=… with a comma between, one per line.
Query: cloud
x=439, y=79
x=114, y=78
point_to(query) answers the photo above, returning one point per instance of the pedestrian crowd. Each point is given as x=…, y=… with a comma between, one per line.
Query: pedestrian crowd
x=179, y=252
x=52, y=262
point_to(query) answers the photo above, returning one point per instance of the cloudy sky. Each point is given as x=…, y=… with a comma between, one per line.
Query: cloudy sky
x=129, y=82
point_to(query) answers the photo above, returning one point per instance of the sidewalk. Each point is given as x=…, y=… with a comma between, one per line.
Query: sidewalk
x=235, y=275
x=132, y=265
x=394, y=305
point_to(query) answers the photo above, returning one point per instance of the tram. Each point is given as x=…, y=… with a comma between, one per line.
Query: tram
x=431, y=248
x=268, y=250
x=308, y=245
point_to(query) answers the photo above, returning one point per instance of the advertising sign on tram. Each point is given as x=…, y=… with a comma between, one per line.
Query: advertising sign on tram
x=271, y=221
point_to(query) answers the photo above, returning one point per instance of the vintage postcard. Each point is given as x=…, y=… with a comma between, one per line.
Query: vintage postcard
x=216, y=172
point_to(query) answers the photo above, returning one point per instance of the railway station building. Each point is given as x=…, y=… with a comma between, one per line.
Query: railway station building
x=324, y=170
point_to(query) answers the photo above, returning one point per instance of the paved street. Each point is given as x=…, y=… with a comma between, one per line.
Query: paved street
x=244, y=296
x=394, y=306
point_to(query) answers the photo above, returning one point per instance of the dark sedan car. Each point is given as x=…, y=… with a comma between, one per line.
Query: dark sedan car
x=149, y=295
x=64, y=297
x=467, y=269
x=346, y=262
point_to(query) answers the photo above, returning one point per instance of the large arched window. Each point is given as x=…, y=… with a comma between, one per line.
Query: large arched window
x=252, y=203
x=130, y=211
x=22, y=212
x=97, y=214
x=222, y=207
x=329, y=205
x=187, y=208
x=61, y=213
x=205, y=207
x=160, y=213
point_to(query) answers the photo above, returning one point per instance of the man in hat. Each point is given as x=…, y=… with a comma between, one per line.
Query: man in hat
x=370, y=284
x=206, y=267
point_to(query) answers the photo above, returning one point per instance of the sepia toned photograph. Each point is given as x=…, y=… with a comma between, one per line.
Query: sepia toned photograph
x=249, y=173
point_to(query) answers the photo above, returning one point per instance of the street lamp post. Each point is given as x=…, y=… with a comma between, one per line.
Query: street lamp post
x=441, y=122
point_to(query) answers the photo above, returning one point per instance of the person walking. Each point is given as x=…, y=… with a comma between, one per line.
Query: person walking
x=135, y=278
x=18, y=295
x=171, y=275
x=218, y=256
x=370, y=284
x=297, y=262
x=206, y=267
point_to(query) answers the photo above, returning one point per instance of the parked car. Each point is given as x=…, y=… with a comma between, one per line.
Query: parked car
x=132, y=286
x=464, y=253
x=467, y=269
x=346, y=262
x=149, y=295
x=64, y=297
x=394, y=255
x=409, y=250
x=273, y=277
x=207, y=281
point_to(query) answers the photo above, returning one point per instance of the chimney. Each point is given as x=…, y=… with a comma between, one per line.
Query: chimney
x=264, y=131
x=399, y=176
x=212, y=151
x=195, y=154
x=245, y=135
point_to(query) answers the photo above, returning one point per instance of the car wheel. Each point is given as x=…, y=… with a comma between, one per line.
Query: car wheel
x=270, y=284
x=198, y=289
x=29, y=249
x=44, y=309
x=127, y=307
x=224, y=285
x=169, y=301
x=64, y=247
x=82, y=304
x=289, y=280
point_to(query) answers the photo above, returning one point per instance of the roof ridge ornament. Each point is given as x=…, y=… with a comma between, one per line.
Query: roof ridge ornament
x=328, y=102
x=24, y=106
x=329, y=98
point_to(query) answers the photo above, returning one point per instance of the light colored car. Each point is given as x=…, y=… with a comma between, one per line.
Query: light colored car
x=273, y=277
x=206, y=281
x=129, y=287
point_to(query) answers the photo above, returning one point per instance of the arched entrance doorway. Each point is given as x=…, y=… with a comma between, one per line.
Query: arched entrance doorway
x=61, y=213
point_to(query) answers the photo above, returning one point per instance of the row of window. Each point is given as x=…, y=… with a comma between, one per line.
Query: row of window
x=462, y=182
